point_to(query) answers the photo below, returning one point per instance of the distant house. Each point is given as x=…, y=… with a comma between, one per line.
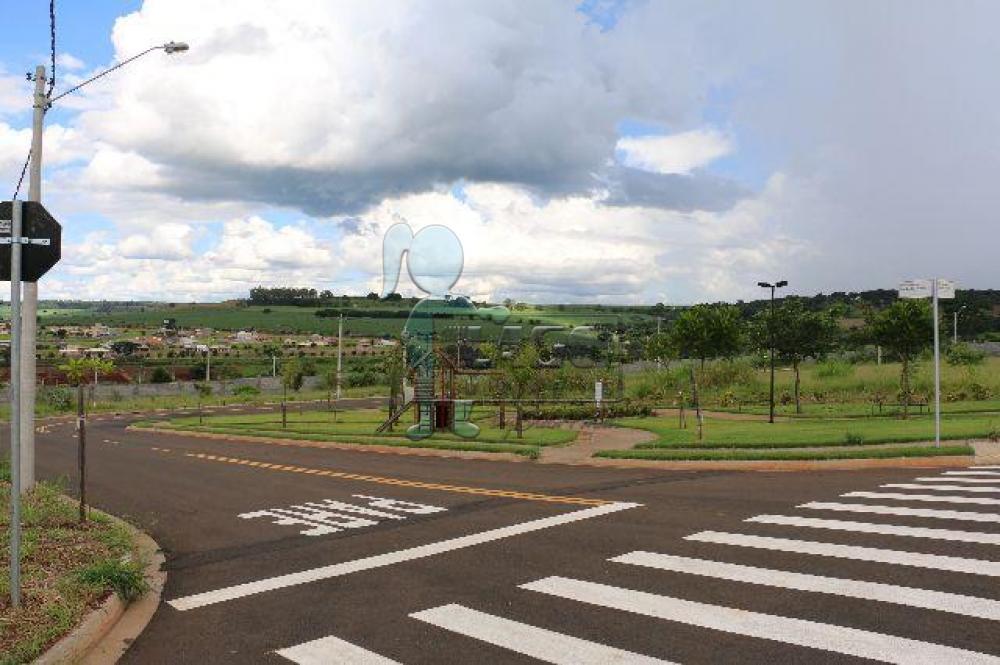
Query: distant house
x=97, y=352
x=246, y=336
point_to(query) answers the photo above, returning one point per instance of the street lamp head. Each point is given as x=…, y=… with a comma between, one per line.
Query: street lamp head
x=175, y=47
x=764, y=285
x=782, y=283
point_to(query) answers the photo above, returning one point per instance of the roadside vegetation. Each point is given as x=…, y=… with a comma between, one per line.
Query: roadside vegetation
x=67, y=569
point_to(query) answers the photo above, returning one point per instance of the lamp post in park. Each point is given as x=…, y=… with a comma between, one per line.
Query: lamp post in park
x=41, y=102
x=770, y=329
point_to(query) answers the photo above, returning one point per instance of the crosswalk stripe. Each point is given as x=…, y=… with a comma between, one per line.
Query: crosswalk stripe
x=855, y=552
x=983, y=608
x=390, y=558
x=971, y=473
x=827, y=637
x=952, y=479
x=984, y=467
x=947, y=488
x=938, y=498
x=332, y=651
x=881, y=529
x=539, y=643
x=960, y=515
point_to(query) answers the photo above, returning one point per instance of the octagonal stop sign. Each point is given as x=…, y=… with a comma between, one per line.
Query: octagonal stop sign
x=36, y=224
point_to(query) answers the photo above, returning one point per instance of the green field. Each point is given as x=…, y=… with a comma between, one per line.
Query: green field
x=358, y=427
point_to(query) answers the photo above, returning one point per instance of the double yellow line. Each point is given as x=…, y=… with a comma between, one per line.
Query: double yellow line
x=381, y=480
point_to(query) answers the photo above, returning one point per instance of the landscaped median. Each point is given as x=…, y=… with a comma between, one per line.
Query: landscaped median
x=358, y=427
x=68, y=568
x=806, y=439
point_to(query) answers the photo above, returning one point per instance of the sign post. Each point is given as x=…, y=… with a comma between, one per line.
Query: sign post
x=15, y=403
x=935, y=289
x=30, y=244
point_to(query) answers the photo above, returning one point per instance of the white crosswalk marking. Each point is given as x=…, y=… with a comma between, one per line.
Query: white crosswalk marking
x=933, y=498
x=984, y=467
x=545, y=645
x=827, y=637
x=855, y=552
x=945, y=488
x=332, y=651
x=971, y=473
x=960, y=515
x=883, y=529
x=983, y=608
x=952, y=479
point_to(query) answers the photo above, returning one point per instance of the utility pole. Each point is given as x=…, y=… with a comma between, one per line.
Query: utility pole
x=340, y=352
x=937, y=366
x=29, y=306
x=208, y=365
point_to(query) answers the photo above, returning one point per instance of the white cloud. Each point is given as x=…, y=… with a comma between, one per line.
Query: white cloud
x=69, y=61
x=167, y=241
x=674, y=153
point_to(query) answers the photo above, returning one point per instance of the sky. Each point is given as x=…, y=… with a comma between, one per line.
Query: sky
x=609, y=151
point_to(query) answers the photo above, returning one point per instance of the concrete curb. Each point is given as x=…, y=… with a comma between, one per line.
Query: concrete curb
x=780, y=465
x=104, y=634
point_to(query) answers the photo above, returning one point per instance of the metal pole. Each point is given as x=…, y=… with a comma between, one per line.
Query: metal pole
x=937, y=369
x=770, y=417
x=29, y=307
x=954, y=338
x=340, y=352
x=15, y=405
x=208, y=365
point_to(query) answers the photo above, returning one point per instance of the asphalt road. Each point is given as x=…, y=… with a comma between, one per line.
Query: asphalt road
x=337, y=556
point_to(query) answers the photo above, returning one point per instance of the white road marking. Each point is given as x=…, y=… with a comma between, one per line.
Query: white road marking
x=952, y=479
x=939, y=498
x=390, y=558
x=960, y=515
x=539, y=643
x=332, y=651
x=971, y=473
x=812, y=634
x=856, y=552
x=881, y=529
x=948, y=488
x=984, y=467
x=983, y=608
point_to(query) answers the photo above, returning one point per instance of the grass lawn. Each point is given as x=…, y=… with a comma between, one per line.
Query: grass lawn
x=805, y=438
x=358, y=426
x=66, y=569
x=865, y=410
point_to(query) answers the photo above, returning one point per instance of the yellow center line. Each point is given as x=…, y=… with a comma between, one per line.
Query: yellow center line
x=483, y=491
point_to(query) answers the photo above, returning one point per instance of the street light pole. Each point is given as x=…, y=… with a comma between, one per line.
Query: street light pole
x=770, y=330
x=29, y=306
x=954, y=338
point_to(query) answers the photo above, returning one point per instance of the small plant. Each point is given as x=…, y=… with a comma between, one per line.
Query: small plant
x=830, y=369
x=246, y=391
x=60, y=399
x=993, y=434
x=853, y=438
x=123, y=577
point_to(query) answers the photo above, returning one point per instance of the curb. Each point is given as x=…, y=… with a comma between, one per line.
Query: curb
x=104, y=634
x=780, y=465
x=334, y=445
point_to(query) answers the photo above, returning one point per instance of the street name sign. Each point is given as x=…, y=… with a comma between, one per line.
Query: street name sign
x=915, y=288
x=41, y=241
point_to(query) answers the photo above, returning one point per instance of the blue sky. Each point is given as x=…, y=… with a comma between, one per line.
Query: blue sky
x=671, y=151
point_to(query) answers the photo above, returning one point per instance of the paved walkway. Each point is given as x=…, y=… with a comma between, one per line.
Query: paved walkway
x=591, y=439
x=987, y=452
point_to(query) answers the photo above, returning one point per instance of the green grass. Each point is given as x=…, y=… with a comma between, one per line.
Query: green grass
x=731, y=454
x=358, y=427
x=810, y=432
x=66, y=568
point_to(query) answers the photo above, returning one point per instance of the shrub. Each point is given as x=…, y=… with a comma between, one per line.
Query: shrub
x=160, y=375
x=246, y=391
x=123, y=577
x=60, y=399
x=962, y=354
x=829, y=369
x=854, y=438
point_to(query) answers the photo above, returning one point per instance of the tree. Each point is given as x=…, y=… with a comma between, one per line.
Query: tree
x=708, y=331
x=797, y=334
x=79, y=371
x=394, y=366
x=904, y=328
x=160, y=375
x=292, y=375
x=661, y=348
x=123, y=348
